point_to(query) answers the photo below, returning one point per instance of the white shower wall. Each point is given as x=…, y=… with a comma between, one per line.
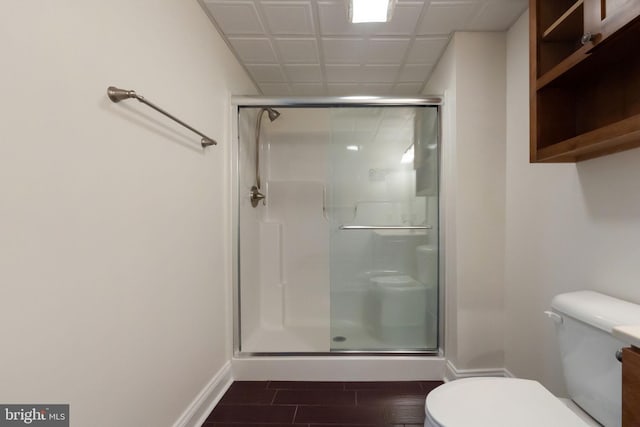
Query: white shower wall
x=284, y=246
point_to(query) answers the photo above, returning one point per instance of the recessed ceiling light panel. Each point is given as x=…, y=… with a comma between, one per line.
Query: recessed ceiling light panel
x=370, y=10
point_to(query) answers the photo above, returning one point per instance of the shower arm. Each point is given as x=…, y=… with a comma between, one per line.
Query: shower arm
x=117, y=95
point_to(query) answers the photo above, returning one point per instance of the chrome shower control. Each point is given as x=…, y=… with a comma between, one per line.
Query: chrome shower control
x=255, y=196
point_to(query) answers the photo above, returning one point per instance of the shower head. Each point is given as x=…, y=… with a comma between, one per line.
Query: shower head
x=273, y=114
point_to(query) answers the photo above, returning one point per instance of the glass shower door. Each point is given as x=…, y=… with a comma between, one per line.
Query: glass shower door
x=382, y=207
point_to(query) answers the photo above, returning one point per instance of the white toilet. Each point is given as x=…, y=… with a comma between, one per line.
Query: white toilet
x=592, y=373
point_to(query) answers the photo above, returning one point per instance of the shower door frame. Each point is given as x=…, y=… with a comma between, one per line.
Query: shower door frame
x=238, y=102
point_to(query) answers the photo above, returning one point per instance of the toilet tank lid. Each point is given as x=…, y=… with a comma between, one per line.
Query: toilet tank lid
x=596, y=309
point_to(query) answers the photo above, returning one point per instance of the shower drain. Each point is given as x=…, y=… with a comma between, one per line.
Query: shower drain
x=339, y=338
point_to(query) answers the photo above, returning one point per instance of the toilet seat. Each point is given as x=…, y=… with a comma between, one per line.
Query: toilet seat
x=504, y=402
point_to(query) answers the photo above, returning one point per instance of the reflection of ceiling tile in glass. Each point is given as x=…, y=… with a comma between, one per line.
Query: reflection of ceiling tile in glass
x=339, y=123
x=391, y=135
x=367, y=123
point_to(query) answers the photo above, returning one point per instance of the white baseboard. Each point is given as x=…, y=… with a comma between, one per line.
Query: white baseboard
x=452, y=373
x=207, y=399
x=508, y=373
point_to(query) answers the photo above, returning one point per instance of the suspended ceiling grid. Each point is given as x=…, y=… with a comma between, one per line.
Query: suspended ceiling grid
x=308, y=47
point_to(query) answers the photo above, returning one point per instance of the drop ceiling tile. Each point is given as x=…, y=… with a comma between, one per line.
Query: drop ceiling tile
x=344, y=89
x=379, y=73
x=307, y=89
x=253, y=50
x=266, y=73
x=408, y=88
x=404, y=20
x=288, y=17
x=377, y=88
x=298, y=51
x=426, y=50
x=386, y=51
x=304, y=73
x=235, y=17
x=343, y=73
x=334, y=20
x=498, y=15
x=343, y=51
x=445, y=17
x=275, y=89
x=415, y=73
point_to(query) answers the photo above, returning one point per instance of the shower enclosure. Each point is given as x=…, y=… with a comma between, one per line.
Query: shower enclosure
x=337, y=226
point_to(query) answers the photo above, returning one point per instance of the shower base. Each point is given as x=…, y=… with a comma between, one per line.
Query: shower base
x=299, y=339
x=352, y=336
x=338, y=368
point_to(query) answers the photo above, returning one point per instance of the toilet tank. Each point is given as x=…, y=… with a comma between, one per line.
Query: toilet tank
x=588, y=350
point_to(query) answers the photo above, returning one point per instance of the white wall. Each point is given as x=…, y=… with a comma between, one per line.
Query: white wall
x=114, y=225
x=568, y=227
x=473, y=196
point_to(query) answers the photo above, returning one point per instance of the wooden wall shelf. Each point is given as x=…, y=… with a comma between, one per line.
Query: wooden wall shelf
x=605, y=140
x=568, y=27
x=585, y=78
x=565, y=65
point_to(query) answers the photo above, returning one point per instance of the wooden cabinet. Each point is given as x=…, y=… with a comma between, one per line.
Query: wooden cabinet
x=585, y=78
x=604, y=17
x=631, y=387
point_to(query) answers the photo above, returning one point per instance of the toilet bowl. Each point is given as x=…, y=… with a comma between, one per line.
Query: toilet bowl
x=505, y=402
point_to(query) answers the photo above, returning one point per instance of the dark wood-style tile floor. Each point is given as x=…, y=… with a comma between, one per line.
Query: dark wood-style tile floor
x=321, y=404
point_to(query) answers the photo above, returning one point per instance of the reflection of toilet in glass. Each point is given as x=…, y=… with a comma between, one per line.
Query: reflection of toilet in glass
x=403, y=309
x=427, y=263
x=399, y=304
